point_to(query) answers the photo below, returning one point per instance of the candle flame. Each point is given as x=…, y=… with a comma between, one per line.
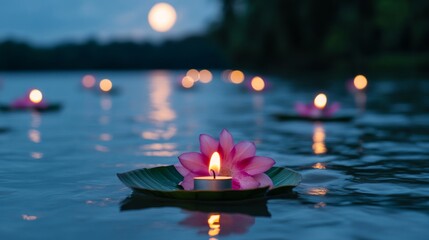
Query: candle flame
x=360, y=82
x=236, y=76
x=214, y=224
x=214, y=163
x=105, y=85
x=320, y=101
x=258, y=84
x=35, y=96
x=187, y=82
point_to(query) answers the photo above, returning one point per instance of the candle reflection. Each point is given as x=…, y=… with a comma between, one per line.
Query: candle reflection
x=319, y=139
x=36, y=155
x=160, y=91
x=317, y=191
x=214, y=224
x=34, y=135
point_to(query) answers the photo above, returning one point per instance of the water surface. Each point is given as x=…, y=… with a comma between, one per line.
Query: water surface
x=364, y=179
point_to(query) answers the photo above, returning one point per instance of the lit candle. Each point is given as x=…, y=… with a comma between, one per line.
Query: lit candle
x=213, y=182
x=320, y=101
x=35, y=96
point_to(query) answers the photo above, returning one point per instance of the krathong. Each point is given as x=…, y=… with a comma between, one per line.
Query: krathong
x=319, y=108
x=238, y=161
x=33, y=100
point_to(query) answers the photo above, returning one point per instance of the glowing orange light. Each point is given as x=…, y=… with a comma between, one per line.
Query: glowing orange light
x=319, y=142
x=162, y=17
x=194, y=74
x=320, y=101
x=88, y=81
x=321, y=191
x=319, y=166
x=258, y=84
x=360, y=82
x=35, y=96
x=187, y=82
x=214, y=163
x=214, y=224
x=106, y=85
x=236, y=76
x=205, y=76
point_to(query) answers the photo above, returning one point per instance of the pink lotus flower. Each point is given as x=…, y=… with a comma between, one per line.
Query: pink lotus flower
x=309, y=110
x=238, y=161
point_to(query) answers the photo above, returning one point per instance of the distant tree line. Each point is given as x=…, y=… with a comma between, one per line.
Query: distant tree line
x=190, y=52
x=274, y=35
x=326, y=34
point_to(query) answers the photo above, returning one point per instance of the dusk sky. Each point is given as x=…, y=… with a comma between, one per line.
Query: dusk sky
x=53, y=21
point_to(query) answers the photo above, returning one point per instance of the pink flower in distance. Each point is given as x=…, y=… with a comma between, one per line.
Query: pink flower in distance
x=25, y=102
x=309, y=110
x=238, y=161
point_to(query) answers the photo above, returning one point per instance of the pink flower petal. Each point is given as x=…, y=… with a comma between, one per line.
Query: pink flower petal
x=194, y=162
x=182, y=170
x=333, y=108
x=188, y=181
x=255, y=165
x=208, y=145
x=243, y=181
x=243, y=150
x=226, y=143
x=263, y=180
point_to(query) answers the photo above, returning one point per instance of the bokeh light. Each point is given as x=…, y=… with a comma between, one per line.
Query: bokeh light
x=205, y=76
x=162, y=17
x=236, y=76
x=35, y=96
x=258, y=84
x=187, y=82
x=194, y=74
x=360, y=82
x=320, y=101
x=106, y=85
x=88, y=81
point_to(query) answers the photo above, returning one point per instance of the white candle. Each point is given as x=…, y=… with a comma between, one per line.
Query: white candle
x=213, y=182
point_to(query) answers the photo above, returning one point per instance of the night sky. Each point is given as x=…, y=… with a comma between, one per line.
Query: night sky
x=46, y=22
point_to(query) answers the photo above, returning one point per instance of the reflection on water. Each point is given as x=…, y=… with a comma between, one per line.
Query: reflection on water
x=28, y=217
x=320, y=205
x=106, y=103
x=166, y=134
x=36, y=119
x=319, y=166
x=36, y=155
x=101, y=148
x=317, y=191
x=105, y=137
x=160, y=91
x=373, y=169
x=34, y=135
x=214, y=224
x=360, y=101
x=218, y=224
x=160, y=149
x=319, y=139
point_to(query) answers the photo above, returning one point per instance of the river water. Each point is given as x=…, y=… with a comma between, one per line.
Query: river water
x=363, y=179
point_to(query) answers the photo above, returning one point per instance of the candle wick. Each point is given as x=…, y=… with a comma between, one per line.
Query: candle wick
x=214, y=174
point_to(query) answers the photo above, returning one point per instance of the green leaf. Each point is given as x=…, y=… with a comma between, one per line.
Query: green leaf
x=164, y=182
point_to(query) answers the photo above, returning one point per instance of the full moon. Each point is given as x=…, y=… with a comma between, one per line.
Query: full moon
x=162, y=17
